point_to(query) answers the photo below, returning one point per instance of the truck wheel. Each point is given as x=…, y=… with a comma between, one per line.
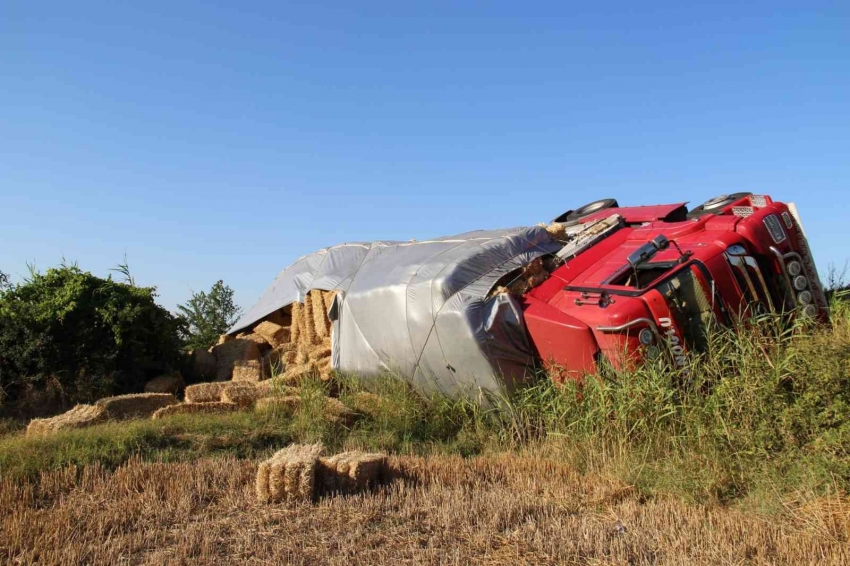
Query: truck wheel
x=717, y=203
x=586, y=210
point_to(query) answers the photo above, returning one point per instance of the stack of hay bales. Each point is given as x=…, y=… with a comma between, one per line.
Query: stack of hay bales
x=212, y=407
x=310, y=338
x=299, y=472
x=290, y=474
x=135, y=406
x=231, y=352
x=79, y=417
x=205, y=392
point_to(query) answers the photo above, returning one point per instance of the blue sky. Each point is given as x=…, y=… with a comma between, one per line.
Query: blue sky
x=224, y=141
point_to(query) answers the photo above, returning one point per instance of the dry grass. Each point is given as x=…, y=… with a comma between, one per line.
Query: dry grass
x=194, y=408
x=141, y=405
x=79, y=417
x=502, y=509
x=290, y=474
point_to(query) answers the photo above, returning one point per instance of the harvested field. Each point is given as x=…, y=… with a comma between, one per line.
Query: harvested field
x=79, y=417
x=141, y=405
x=194, y=408
x=501, y=509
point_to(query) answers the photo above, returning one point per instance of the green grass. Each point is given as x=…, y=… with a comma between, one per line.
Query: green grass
x=766, y=412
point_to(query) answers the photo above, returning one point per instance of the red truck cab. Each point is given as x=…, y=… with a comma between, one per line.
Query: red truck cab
x=636, y=281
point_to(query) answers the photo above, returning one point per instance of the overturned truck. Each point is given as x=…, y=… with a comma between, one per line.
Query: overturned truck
x=472, y=314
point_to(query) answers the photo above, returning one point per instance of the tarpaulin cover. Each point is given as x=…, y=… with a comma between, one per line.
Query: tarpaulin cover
x=420, y=309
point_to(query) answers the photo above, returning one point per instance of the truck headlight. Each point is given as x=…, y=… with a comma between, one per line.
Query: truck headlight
x=800, y=282
x=646, y=337
x=794, y=268
x=805, y=297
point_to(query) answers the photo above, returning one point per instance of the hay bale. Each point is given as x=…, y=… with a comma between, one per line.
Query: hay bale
x=281, y=317
x=203, y=364
x=248, y=370
x=260, y=341
x=290, y=474
x=274, y=334
x=350, y=471
x=286, y=404
x=320, y=315
x=336, y=412
x=328, y=297
x=135, y=406
x=224, y=338
x=171, y=383
x=80, y=416
x=244, y=394
x=295, y=328
x=368, y=403
x=308, y=323
x=229, y=353
x=205, y=392
x=215, y=407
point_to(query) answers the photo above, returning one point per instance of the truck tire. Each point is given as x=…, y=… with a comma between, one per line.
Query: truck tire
x=715, y=204
x=586, y=210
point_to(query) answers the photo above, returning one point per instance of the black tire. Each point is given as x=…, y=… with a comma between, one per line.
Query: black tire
x=715, y=204
x=586, y=210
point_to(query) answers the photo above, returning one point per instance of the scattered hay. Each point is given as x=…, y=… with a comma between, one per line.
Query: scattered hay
x=229, y=353
x=557, y=231
x=286, y=404
x=165, y=384
x=193, y=408
x=336, y=412
x=368, y=403
x=350, y=471
x=248, y=370
x=135, y=406
x=274, y=334
x=205, y=392
x=290, y=474
x=79, y=417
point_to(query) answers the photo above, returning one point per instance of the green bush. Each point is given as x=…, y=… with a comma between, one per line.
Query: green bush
x=77, y=337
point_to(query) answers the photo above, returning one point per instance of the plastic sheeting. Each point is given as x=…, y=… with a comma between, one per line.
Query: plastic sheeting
x=420, y=309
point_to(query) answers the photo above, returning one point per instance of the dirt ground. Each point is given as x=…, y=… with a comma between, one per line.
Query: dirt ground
x=502, y=509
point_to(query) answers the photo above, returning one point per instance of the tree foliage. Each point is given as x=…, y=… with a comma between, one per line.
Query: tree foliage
x=83, y=335
x=209, y=315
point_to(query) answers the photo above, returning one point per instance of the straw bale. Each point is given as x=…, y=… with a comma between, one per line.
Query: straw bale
x=79, y=417
x=248, y=370
x=336, y=412
x=203, y=364
x=136, y=405
x=286, y=404
x=320, y=351
x=244, y=394
x=290, y=357
x=205, y=392
x=262, y=343
x=274, y=334
x=193, y=408
x=290, y=474
x=328, y=298
x=295, y=328
x=281, y=317
x=229, y=353
x=320, y=315
x=224, y=338
x=171, y=383
x=308, y=323
x=350, y=471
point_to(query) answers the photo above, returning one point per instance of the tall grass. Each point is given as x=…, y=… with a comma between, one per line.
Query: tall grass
x=766, y=409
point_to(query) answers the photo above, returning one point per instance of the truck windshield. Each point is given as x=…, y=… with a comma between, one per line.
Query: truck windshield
x=690, y=306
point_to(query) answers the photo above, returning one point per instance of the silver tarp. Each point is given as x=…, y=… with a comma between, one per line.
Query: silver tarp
x=420, y=309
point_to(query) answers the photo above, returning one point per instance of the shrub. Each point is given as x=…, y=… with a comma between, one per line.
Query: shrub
x=209, y=315
x=81, y=337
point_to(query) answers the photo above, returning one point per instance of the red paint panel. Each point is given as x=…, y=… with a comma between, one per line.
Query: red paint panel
x=565, y=345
